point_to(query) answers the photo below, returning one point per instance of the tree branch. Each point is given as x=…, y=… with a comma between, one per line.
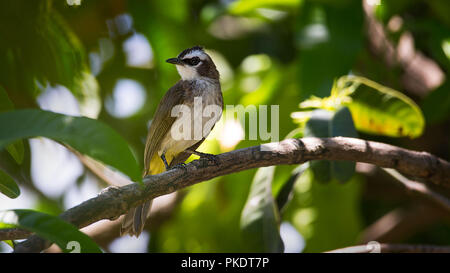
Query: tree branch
x=13, y=234
x=113, y=202
x=393, y=248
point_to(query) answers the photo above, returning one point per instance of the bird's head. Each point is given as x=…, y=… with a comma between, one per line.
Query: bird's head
x=193, y=63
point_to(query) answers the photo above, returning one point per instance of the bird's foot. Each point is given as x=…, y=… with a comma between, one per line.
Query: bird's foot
x=210, y=157
x=178, y=166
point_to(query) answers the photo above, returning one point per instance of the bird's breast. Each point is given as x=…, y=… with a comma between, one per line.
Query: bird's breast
x=204, y=102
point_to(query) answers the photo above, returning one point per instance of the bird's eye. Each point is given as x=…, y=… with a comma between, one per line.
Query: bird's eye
x=192, y=61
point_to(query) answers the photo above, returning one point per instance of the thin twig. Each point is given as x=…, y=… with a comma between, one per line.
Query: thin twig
x=420, y=190
x=374, y=247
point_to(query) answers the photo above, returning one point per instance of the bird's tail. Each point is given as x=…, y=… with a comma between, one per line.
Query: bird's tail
x=134, y=221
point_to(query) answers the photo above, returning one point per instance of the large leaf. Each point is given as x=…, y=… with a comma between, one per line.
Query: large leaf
x=7, y=185
x=342, y=125
x=378, y=109
x=285, y=193
x=375, y=108
x=327, y=215
x=318, y=126
x=16, y=149
x=5, y=103
x=324, y=123
x=260, y=218
x=86, y=135
x=52, y=228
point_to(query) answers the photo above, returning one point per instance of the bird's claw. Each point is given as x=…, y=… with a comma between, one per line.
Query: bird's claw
x=178, y=166
x=210, y=157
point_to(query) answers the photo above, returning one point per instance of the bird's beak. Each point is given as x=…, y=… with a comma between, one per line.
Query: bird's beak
x=174, y=61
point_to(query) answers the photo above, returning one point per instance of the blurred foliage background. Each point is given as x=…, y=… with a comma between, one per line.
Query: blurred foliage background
x=106, y=60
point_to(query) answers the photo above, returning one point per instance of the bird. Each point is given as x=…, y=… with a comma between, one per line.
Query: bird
x=200, y=79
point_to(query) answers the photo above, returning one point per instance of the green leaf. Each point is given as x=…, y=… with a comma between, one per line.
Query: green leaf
x=51, y=228
x=260, y=218
x=9, y=242
x=285, y=193
x=88, y=136
x=265, y=91
x=378, y=109
x=245, y=6
x=8, y=186
x=342, y=125
x=318, y=126
x=324, y=123
x=15, y=149
x=327, y=215
x=5, y=103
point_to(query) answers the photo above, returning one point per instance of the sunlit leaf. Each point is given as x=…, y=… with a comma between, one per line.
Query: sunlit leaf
x=378, y=109
x=265, y=91
x=446, y=47
x=375, y=108
x=86, y=90
x=51, y=228
x=9, y=242
x=245, y=6
x=8, y=186
x=260, y=218
x=88, y=136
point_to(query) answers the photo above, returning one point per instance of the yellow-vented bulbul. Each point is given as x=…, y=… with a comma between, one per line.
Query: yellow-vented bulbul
x=163, y=150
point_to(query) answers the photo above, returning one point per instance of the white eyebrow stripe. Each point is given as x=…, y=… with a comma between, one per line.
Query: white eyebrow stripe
x=195, y=53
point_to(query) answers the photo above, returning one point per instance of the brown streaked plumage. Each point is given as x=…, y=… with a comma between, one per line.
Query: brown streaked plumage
x=199, y=78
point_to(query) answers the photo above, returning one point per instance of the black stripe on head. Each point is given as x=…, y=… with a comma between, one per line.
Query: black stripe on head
x=189, y=50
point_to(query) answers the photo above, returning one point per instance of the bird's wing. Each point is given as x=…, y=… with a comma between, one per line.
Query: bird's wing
x=162, y=122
